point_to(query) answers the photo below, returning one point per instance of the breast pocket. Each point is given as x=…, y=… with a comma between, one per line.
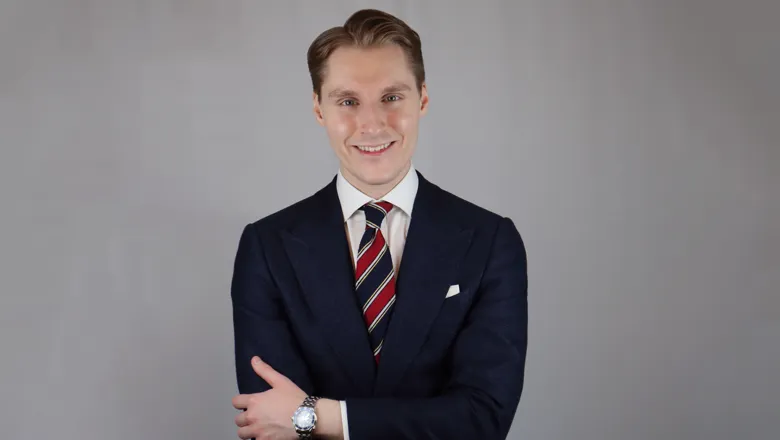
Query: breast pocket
x=450, y=319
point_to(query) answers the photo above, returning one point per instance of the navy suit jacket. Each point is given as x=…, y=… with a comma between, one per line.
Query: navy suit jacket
x=450, y=369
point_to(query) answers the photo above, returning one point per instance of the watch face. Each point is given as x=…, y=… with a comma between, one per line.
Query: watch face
x=304, y=418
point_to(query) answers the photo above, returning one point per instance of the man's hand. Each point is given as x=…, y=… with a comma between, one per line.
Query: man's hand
x=268, y=415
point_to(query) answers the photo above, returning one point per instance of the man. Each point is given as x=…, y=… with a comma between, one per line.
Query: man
x=381, y=307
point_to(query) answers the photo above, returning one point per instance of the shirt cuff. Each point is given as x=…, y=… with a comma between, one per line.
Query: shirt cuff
x=344, y=424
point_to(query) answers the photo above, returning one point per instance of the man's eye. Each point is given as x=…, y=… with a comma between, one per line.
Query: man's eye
x=393, y=98
x=348, y=102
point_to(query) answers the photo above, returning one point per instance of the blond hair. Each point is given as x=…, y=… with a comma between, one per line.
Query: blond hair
x=364, y=29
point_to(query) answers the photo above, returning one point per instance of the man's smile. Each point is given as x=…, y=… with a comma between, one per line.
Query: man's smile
x=375, y=149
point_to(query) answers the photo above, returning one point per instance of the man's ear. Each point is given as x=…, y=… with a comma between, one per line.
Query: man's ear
x=317, y=109
x=423, y=99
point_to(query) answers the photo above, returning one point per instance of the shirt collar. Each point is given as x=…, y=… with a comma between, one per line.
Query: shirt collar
x=401, y=196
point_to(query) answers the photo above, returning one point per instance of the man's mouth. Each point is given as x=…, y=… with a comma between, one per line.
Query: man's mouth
x=375, y=148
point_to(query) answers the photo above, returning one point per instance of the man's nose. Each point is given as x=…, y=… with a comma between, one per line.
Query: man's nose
x=371, y=119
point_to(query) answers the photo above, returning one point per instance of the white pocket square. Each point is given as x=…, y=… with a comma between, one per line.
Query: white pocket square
x=454, y=290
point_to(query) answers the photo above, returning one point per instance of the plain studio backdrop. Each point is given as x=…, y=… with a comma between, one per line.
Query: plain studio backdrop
x=636, y=145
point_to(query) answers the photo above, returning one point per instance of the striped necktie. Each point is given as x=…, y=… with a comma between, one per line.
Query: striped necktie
x=374, y=275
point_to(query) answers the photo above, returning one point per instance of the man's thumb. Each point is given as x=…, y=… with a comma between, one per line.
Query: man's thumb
x=265, y=371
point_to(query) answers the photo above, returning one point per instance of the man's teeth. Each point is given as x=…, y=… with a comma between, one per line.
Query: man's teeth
x=373, y=149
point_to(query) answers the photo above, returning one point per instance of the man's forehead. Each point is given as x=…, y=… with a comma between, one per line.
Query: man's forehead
x=350, y=55
x=367, y=70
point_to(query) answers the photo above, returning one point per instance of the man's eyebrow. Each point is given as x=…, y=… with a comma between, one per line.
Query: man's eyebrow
x=341, y=93
x=347, y=93
x=395, y=88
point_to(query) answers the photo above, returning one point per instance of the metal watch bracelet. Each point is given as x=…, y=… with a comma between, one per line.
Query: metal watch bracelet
x=310, y=402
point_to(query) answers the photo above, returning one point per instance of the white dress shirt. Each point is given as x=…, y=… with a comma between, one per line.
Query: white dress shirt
x=394, y=228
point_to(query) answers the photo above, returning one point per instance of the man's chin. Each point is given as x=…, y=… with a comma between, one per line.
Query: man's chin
x=376, y=177
x=376, y=180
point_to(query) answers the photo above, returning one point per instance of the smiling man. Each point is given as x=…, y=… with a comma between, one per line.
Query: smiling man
x=382, y=306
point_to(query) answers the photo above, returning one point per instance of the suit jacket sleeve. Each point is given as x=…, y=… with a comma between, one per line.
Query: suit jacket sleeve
x=487, y=367
x=260, y=322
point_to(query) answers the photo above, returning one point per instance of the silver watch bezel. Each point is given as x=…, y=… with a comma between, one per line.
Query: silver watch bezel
x=307, y=429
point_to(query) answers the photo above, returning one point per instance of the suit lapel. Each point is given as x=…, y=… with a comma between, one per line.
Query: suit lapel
x=434, y=247
x=319, y=251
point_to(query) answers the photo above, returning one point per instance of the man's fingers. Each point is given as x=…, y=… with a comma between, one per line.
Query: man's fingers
x=241, y=401
x=242, y=420
x=267, y=373
x=246, y=433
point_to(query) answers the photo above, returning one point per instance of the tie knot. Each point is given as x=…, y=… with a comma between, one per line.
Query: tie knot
x=376, y=212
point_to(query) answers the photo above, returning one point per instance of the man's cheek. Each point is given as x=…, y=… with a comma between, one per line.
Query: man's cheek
x=342, y=129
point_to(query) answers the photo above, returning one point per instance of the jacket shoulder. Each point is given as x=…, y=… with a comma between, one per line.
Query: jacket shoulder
x=466, y=211
x=285, y=217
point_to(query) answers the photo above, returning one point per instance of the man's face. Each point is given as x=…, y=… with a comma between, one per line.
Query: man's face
x=371, y=109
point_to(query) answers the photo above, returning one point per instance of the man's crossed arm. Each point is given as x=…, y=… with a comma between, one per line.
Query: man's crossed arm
x=486, y=375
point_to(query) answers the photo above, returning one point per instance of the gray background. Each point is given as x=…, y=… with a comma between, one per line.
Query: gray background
x=636, y=144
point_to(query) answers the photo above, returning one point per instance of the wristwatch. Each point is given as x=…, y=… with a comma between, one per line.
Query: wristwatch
x=305, y=418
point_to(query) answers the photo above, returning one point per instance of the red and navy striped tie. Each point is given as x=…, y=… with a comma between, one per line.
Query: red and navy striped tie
x=374, y=275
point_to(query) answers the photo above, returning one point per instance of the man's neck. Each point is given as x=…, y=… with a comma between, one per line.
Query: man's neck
x=376, y=192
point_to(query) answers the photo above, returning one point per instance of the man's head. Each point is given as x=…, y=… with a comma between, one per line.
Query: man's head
x=369, y=91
